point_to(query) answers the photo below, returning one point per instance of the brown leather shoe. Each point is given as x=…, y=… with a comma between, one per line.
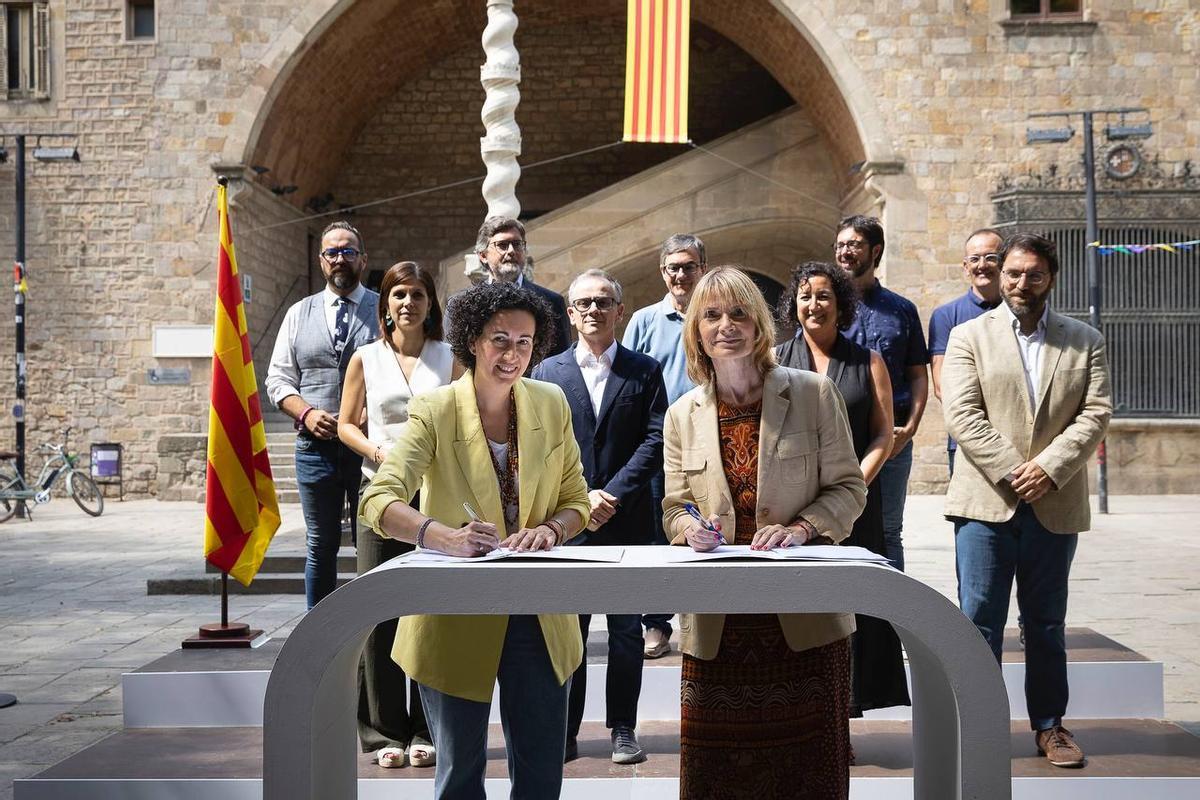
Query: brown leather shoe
x=1058, y=746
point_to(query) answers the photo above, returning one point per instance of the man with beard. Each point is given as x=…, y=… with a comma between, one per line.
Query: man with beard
x=304, y=379
x=1028, y=399
x=657, y=331
x=502, y=251
x=981, y=269
x=888, y=324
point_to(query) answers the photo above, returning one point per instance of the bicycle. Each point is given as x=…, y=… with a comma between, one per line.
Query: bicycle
x=81, y=487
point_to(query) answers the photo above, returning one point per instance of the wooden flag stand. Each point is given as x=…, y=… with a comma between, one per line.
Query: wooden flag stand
x=223, y=633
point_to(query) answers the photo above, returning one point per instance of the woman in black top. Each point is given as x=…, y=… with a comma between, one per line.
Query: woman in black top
x=821, y=300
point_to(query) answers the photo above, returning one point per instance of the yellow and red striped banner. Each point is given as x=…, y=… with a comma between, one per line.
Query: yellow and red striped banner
x=241, y=510
x=656, y=70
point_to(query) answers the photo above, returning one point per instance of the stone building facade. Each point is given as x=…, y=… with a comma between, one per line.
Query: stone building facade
x=914, y=110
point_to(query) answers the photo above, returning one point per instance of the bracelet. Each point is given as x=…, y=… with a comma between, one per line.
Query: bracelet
x=376, y=457
x=558, y=529
x=421, y=532
x=810, y=531
x=300, y=419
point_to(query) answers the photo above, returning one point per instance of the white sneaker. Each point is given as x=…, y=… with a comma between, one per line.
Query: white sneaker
x=657, y=643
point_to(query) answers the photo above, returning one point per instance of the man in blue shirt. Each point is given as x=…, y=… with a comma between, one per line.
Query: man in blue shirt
x=981, y=269
x=657, y=331
x=888, y=324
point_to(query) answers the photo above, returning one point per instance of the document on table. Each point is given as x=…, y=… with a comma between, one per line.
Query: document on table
x=823, y=552
x=608, y=555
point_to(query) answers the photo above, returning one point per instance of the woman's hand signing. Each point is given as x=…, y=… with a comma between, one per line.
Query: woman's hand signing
x=702, y=539
x=771, y=536
x=471, y=540
x=543, y=537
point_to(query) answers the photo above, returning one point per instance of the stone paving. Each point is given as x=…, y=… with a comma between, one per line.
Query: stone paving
x=74, y=613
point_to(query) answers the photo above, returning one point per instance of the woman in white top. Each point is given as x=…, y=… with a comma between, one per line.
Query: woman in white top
x=409, y=358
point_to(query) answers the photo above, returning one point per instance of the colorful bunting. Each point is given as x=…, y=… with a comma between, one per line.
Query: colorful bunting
x=1138, y=249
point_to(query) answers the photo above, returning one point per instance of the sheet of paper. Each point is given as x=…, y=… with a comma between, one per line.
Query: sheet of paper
x=810, y=553
x=609, y=555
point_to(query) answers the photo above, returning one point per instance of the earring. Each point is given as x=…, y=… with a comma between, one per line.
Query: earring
x=389, y=323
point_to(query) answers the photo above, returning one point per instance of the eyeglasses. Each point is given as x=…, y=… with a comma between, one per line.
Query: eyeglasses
x=504, y=245
x=582, y=304
x=686, y=268
x=349, y=253
x=1032, y=278
x=853, y=244
x=990, y=259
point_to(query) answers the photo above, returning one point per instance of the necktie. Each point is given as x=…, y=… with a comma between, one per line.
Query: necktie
x=341, y=330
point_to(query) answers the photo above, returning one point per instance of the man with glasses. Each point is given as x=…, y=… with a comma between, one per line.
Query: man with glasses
x=981, y=269
x=1027, y=397
x=304, y=379
x=502, y=252
x=657, y=331
x=617, y=401
x=888, y=324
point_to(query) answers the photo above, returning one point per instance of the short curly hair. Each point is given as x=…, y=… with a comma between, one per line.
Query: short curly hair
x=843, y=291
x=470, y=310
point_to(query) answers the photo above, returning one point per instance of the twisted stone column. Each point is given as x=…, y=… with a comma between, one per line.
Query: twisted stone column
x=502, y=144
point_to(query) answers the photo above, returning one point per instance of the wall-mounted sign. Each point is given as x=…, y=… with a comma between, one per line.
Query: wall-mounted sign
x=247, y=288
x=183, y=341
x=169, y=376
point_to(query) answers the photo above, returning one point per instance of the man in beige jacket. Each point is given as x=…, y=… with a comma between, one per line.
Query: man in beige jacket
x=1027, y=397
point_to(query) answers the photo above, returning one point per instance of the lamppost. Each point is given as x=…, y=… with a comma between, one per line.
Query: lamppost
x=1118, y=132
x=40, y=153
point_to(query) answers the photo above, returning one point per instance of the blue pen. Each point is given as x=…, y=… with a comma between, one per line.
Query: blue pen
x=695, y=512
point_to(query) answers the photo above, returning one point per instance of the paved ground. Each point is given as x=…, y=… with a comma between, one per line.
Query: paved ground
x=74, y=613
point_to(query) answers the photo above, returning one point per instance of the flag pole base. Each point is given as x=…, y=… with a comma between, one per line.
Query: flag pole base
x=214, y=634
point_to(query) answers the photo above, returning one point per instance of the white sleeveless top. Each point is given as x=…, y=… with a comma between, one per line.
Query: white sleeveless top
x=388, y=392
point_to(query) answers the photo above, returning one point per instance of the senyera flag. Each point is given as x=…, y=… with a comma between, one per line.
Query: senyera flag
x=241, y=510
x=656, y=70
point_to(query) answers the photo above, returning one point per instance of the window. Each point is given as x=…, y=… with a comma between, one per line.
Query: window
x=27, y=50
x=1046, y=9
x=139, y=19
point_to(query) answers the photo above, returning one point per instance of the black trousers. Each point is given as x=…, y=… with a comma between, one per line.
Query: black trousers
x=389, y=705
x=623, y=682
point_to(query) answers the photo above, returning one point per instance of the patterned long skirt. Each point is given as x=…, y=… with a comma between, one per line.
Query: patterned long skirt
x=762, y=722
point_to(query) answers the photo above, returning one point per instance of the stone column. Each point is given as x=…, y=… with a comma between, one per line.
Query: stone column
x=502, y=144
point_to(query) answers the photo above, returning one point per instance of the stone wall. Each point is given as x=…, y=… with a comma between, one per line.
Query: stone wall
x=181, y=468
x=921, y=104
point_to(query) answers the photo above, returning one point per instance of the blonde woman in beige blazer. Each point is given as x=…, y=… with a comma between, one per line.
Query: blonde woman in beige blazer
x=764, y=453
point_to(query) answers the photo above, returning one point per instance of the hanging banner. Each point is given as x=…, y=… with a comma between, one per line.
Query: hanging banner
x=656, y=71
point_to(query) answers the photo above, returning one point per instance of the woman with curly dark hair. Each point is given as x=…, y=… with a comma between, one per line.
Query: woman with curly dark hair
x=501, y=445
x=821, y=299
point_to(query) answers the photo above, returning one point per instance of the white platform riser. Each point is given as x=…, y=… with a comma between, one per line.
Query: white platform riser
x=1058, y=788
x=1099, y=690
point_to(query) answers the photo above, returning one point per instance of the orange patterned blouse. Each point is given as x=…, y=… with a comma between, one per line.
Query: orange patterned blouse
x=739, y=456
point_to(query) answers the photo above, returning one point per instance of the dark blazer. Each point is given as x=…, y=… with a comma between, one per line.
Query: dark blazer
x=562, y=325
x=622, y=450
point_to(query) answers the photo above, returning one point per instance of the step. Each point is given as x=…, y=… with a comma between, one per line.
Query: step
x=263, y=583
x=1127, y=758
x=294, y=562
x=226, y=688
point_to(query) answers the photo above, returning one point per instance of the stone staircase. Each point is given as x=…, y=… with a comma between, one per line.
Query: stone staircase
x=281, y=449
x=193, y=729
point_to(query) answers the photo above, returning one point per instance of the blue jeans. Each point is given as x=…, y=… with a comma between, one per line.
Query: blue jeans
x=622, y=678
x=658, y=490
x=950, y=460
x=533, y=711
x=988, y=556
x=893, y=490
x=327, y=474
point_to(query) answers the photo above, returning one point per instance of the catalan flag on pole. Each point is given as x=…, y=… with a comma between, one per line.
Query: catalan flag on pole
x=241, y=510
x=656, y=71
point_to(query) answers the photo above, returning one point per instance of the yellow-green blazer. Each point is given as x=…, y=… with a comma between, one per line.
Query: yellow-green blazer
x=443, y=452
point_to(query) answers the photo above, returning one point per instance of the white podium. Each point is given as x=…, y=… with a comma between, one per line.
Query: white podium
x=960, y=707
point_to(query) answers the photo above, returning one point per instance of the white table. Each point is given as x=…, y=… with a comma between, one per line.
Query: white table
x=960, y=708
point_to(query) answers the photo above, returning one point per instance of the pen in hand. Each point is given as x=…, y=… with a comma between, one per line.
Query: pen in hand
x=474, y=515
x=695, y=512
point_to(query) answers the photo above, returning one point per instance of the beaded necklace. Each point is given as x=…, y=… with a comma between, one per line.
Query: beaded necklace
x=507, y=477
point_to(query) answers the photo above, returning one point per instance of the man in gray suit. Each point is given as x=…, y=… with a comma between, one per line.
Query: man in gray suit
x=1027, y=397
x=308, y=367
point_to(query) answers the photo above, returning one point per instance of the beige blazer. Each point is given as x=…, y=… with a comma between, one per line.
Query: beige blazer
x=443, y=452
x=806, y=468
x=986, y=405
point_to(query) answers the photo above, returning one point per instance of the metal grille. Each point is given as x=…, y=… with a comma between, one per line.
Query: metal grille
x=1150, y=313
